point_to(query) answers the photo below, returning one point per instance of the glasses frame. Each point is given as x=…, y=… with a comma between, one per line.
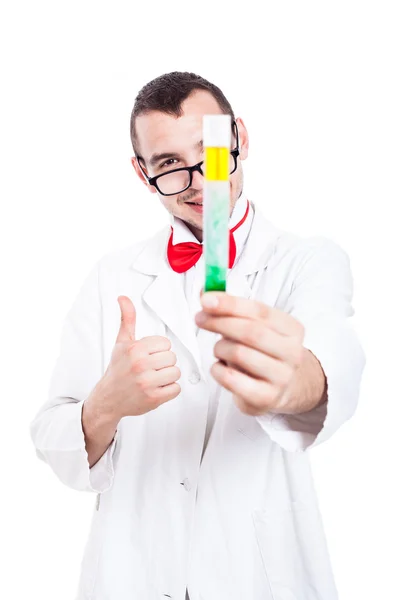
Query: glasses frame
x=197, y=167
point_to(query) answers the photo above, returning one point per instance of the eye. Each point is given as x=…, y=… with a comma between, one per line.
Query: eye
x=168, y=163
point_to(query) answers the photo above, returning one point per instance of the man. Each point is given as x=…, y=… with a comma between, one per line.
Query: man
x=190, y=414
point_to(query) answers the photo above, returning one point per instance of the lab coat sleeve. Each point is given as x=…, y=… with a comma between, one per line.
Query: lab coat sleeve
x=321, y=299
x=56, y=430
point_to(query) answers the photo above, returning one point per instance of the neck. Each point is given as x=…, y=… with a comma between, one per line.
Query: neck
x=198, y=233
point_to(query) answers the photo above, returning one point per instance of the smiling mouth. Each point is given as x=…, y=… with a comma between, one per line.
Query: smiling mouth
x=198, y=201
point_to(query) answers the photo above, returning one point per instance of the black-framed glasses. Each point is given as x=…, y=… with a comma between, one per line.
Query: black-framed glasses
x=177, y=181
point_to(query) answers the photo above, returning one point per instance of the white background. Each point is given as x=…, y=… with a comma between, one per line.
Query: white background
x=317, y=86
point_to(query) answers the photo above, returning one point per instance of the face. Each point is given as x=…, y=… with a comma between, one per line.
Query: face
x=166, y=142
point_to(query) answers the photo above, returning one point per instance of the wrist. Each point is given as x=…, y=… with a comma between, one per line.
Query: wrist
x=100, y=409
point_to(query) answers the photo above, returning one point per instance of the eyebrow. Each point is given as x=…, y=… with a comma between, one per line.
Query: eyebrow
x=156, y=158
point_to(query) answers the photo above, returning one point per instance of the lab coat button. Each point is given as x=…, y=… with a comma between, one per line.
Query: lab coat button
x=194, y=377
x=186, y=484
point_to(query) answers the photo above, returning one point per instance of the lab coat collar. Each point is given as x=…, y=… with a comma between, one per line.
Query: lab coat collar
x=165, y=294
x=152, y=257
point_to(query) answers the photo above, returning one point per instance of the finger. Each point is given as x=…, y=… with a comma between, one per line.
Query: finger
x=165, y=393
x=152, y=344
x=127, y=327
x=255, y=335
x=156, y=361
x=223, y=304
x=252, y=362
x=254, y=395
x=154, y=379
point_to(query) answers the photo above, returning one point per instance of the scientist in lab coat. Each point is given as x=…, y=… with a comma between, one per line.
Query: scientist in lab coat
x=190, y=415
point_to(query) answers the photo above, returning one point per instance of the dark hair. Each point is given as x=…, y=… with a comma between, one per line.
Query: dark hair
x=167, y=92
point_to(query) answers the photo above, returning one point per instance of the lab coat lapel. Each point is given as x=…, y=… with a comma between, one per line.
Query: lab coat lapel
x=165, y=295
x=244, y=277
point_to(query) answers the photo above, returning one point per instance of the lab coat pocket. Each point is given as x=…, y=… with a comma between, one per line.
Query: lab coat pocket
x=91, y=555
x=294, y=554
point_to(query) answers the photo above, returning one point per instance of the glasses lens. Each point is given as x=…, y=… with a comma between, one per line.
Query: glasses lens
x=173, y=183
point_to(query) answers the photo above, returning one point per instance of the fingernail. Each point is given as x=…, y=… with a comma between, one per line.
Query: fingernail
x=209, y=300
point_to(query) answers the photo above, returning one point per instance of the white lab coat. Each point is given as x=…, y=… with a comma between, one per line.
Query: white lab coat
x=242, y=523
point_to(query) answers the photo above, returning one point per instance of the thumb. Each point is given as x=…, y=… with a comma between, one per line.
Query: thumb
x=126, y=331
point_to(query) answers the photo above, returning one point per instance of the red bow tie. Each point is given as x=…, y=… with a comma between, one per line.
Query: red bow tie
x=183, y=256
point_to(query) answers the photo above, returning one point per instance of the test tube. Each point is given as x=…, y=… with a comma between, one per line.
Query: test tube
x=216, y=200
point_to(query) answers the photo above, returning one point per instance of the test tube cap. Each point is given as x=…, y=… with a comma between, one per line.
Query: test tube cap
x=217, y=131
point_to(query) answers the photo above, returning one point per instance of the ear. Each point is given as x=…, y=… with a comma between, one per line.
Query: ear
x=142, y=178
x=243, y=139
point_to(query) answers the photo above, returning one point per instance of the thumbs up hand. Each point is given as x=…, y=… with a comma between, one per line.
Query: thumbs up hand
x=142, y=373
